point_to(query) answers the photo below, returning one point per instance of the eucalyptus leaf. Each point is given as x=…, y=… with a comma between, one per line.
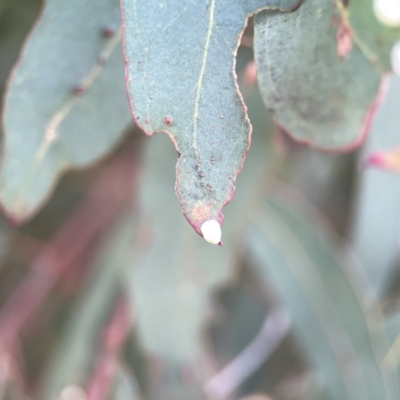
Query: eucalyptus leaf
x=327, y=298
x=320, y=83
x=392, y=357
x=125, y=386
x=180, y=267
x=65, y=105
x=181, y=80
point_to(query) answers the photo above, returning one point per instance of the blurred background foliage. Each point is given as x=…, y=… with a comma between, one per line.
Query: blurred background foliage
x=108, y=294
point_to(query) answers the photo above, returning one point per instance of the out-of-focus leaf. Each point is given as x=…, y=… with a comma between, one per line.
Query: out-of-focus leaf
x=49, y=127
x=319, y=97
x=376, y=38
x=73, y=361
x=392, y=357
x=272, y=333
x=249, y=339
x=376, y=220
x=239, y=317
x=344, y=341
x=180, y=64
x=126, y=386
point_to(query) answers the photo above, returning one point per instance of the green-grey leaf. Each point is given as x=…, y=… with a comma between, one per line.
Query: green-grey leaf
x=319, y=97
x=125, y=386
x=344, y=340
x=392, y=357
x=180, y=74
x=182, y=268
x=179, y=267
x=48, y=128
x=74, y=360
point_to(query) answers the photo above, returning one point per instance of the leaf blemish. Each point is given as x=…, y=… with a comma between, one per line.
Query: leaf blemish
x=344, y=39
x=109, y=32
x=80, y=89
x=168, y=120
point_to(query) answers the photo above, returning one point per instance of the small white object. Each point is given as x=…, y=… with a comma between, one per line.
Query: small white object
x=211, y=231
x=388, y=12
x=395, y=58
x=72, y=392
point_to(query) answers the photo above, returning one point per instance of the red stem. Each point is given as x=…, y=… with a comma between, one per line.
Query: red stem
x=115, y=335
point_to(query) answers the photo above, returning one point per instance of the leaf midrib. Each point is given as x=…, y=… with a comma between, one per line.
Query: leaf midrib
x=202, y=73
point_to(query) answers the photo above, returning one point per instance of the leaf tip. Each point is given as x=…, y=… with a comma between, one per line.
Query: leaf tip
x=211, y=231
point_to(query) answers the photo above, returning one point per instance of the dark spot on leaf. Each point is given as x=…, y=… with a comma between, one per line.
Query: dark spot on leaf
x=80, y=89
x=109, y=32
x=168, y=120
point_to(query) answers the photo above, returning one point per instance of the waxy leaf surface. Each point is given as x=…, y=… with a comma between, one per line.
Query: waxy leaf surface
x=180, y=267
x=316, y=74
x=47, y=127
x=181, y=80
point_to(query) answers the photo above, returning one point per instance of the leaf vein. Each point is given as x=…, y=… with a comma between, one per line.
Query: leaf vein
x=201, y=76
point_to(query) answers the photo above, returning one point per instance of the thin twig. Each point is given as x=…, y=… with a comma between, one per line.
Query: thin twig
x=115, y=335
x=275, y=328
